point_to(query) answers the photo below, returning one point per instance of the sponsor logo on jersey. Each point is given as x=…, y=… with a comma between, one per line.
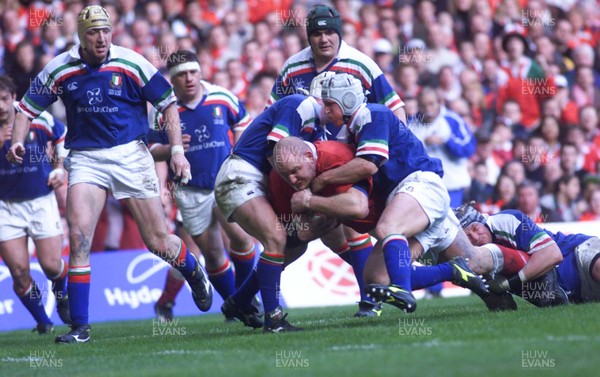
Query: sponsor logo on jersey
x=202, y=133
x=72, y=86
x=94, y=96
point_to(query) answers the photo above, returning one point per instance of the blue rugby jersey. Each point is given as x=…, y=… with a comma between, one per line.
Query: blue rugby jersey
x=208, y=124
x=516, y=230
x=381, y=137
x=29, y=180
x=295, y=115
x=106, y=105
x=299, y=70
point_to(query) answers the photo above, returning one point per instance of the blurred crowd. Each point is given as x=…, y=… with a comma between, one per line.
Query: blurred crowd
x=523, y=74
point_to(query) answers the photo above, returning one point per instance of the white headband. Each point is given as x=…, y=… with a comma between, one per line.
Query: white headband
x=189, y=66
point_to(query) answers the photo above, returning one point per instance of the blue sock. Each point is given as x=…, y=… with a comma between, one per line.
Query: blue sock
x=360, y=248
x=427, y=276
x=223, y=280
x=79, y=293
x=32, y=300
x=243, y=296
x=243, y=262
x=397, y=260
x=269, y=270
x=185, y=262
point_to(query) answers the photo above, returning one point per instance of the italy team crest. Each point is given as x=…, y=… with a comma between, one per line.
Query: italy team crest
x=218, y=115
x=116, y=81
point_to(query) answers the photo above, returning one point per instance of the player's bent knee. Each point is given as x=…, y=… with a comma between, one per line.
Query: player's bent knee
x=384, y=229
x=21, y=279
x=158, y=241
x=51, y=267
x=275, y=241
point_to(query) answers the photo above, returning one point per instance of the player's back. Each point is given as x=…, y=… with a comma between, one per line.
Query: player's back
x=405, y=151
x=287, y=117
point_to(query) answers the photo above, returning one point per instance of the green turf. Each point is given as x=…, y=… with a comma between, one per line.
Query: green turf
x=450, y=337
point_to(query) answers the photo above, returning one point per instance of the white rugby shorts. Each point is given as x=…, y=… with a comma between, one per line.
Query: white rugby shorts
x=126, y=170
x=584, y=255
x=237, y=182
x=196, y=207
x=37, y=218
x=428, y=189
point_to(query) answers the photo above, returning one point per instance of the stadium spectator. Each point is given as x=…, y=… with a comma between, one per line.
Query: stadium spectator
x=24, y=67
x=585, y=91
x=480, y=189
x=173, y=15
x=68, y=33
x=593, y=201
x=503, y=197
x=526, y=84
x=533, y=158
x=383, y=57
x=408, y=81
x=196, y=27
x=549, y=130
x=122, y=169
x=252, y=59
x=448, y=85
x=528, y=202
x=439, y=51
x=140, y=31
x=29, y=210
x=483, y=153
x=481, y=116
x=446, y=137
x=552, y=173
x=502, y=140
x=589, y=155
x=565, y=199
x=588, y=116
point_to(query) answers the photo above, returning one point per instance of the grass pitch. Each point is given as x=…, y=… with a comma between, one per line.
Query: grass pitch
x=446, y=337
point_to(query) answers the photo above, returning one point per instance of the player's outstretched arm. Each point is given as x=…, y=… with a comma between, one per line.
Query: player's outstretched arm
x=19, y=132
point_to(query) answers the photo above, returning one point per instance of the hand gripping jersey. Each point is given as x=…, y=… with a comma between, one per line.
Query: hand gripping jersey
x=29, y=179
x=106, y=105
x=208, y=124
x=295, y=115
